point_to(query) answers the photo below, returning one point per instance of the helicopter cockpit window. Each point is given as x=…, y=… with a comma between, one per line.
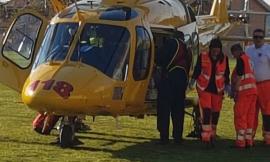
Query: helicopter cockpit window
x=56, y=43
x=106, y=48
x=67, y=13
x=143, y=54
x=21, y=40
x=118, y=14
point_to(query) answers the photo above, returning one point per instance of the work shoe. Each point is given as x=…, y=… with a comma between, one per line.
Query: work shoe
x=206, y=137
x=212, y=141
x=240, y=144
x=249, y=143
x=178, y=141
x=236, y=147
x=266, y=143
x=163, y=142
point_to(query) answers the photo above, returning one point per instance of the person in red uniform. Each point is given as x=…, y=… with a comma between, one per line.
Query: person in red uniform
x=244, y=92
x=259, y=54
x=212, y=76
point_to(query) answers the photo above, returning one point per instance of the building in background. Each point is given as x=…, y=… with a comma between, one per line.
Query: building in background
x=254, y=20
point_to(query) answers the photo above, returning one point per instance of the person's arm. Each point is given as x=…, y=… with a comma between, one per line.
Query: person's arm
x=268, y=53
x=198, y=67
x=240, y=67
x=227, y=72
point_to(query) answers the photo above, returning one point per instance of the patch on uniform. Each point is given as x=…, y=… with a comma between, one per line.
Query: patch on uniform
x=118, y=93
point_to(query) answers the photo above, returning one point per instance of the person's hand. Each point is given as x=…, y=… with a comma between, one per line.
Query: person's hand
x=234, y=96
x=228, y=90
x=231, y=95
x=191, y=84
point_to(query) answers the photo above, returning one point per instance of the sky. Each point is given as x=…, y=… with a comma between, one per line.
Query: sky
x=267, y=1
x=3, y=0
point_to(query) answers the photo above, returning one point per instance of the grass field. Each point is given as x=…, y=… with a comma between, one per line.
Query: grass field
x=134, y=141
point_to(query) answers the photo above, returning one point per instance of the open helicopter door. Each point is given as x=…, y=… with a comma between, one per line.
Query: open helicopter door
x=19, y=48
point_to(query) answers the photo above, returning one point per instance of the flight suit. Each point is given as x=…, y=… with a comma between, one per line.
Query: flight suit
x=245, y=96
x=211, y=76
x=171, y=90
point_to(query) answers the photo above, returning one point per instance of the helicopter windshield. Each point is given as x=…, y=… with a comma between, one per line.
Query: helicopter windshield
x=56, y=43
x=105, y=47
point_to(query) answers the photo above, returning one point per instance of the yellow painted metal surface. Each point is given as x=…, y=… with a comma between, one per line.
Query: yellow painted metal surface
x=58, y=5
x=71, y=87
x=219, y=10
x=12, y=75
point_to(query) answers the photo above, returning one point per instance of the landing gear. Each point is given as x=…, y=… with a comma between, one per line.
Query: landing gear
x=67, y=132
x=196, y=117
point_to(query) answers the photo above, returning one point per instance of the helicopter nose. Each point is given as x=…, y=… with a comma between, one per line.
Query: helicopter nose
x=57, y=96
x=34, y=95
x=57, y=92
x=48, y=96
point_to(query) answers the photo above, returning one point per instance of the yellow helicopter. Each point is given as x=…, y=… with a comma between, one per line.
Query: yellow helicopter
x=97, y=57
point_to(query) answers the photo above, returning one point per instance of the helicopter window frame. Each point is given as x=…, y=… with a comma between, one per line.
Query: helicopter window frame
x=191, y=14
x=116, y=13
x=33, y=46
x=140, y=71
x=195, y=42
x=50, y=53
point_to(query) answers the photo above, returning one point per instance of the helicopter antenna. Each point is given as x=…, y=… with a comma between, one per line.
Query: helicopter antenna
x=77, y=10
x=76, y=6
x=91, y=3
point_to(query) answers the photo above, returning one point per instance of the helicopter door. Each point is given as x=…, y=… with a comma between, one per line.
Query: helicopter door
x=142, y=62
x=19, y=48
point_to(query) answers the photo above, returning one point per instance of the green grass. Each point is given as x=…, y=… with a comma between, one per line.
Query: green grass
x=17, y=59
x=134, y=141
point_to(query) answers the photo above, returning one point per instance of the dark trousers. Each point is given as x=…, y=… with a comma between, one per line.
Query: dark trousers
x=171, y=102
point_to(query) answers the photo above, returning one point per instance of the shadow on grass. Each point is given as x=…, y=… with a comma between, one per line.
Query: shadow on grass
x=10, y=140
x=190, y=150
x=116, y=135
x=147, y=149
x=107, y=139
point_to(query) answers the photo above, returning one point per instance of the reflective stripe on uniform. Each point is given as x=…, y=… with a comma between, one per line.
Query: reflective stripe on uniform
x=220, y=89
x=220, y=73
x=206, y=127
x=175, y=54
x=249, y=130
x=205, y=76
x=200, y=87
x=219, y=76
x=247, y=76
x=241, y=135
x=247, y=86
x=178, y=67
x=249, y=134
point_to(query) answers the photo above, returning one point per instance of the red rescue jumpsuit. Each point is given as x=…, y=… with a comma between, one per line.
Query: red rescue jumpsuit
x=245, y=103
x=209, y=100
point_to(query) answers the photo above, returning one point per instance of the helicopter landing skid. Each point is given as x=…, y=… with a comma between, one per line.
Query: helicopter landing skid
x=67, y=132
